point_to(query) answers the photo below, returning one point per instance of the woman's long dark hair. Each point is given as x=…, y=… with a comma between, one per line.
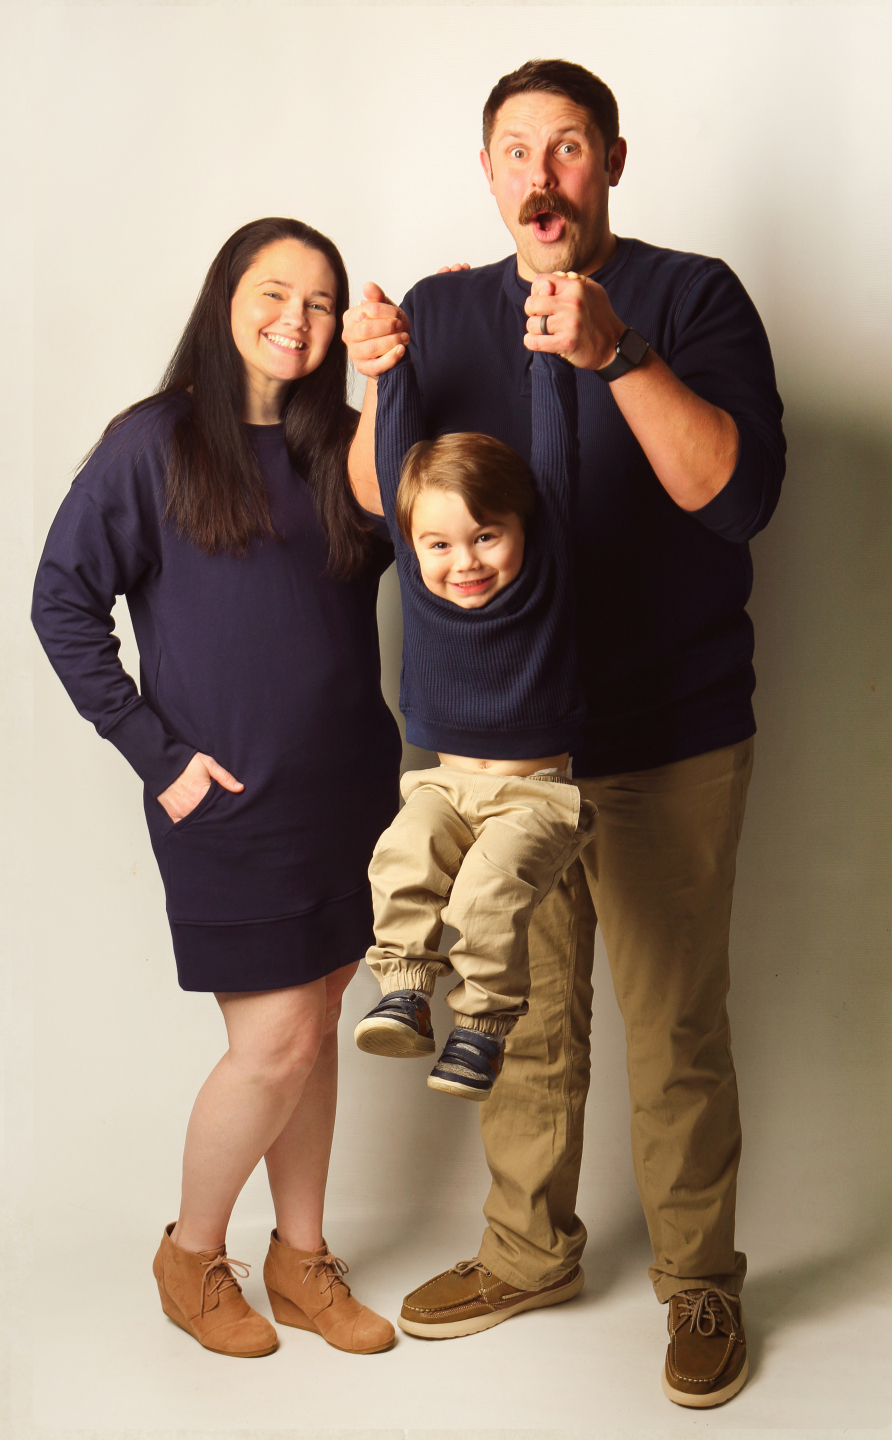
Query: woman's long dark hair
x=215, y=492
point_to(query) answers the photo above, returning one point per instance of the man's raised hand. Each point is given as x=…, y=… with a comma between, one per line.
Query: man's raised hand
x=376, y=332
x=582, y=325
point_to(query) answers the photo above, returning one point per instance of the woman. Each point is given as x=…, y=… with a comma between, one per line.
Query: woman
x=221, y=508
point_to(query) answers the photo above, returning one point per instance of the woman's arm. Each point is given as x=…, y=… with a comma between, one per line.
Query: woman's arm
x=86, y=563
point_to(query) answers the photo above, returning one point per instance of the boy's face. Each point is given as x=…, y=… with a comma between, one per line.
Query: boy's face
x=460, y=559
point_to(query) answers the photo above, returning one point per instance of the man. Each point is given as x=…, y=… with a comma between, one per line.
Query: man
x=682, y=458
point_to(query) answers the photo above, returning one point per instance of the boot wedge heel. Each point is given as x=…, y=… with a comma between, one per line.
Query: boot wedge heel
x=287, y=1313
x=306, y=1289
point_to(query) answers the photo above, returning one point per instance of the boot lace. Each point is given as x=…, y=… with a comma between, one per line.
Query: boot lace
x=223, y=1268
x=329, y=1268
x=706, y=1310
x=467, y=1267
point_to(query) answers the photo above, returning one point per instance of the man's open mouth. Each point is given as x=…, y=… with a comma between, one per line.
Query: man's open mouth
x=547, y=226
x=547, y=213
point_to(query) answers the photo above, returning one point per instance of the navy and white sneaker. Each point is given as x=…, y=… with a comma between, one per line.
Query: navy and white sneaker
x=470, y=1064
x=399, y=1026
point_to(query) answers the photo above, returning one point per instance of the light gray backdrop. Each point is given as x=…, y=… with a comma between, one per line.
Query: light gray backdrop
x=757, y=134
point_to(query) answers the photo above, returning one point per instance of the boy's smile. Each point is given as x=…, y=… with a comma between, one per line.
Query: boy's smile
x=462, y=559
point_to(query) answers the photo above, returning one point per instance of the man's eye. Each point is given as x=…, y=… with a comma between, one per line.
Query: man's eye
x=517, y=153
x=568, y=149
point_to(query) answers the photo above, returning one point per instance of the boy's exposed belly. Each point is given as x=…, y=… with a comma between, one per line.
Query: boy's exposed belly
x=506, y=767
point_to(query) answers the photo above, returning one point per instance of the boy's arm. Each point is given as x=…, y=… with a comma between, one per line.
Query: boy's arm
x=398, y=426
x=555, y=454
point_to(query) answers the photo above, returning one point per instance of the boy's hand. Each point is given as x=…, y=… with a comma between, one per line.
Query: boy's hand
x=376, y=332
x=582, y=324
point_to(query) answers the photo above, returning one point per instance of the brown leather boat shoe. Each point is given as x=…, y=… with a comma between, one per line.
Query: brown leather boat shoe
x=469, y=1298
x=706, y=1362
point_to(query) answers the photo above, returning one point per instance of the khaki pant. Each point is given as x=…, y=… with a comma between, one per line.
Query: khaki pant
x=492, y=846
x=658, y=879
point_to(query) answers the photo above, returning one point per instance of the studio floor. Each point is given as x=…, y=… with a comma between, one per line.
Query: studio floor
x=105, y=1360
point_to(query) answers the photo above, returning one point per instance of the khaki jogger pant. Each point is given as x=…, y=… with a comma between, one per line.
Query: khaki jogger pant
x=478, y=852
x=658, y=878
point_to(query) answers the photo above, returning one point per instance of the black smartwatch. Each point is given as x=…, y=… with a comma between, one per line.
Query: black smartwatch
x=631, y=349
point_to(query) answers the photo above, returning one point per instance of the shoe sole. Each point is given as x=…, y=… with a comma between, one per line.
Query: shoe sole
x=705, y=1402
x=177, y=1318
x=393, y=1039
x=455, y=1087
x=454, y=1329
x=285, y=1312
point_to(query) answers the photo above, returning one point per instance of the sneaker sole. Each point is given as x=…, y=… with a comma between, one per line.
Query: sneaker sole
x=393, y=1039
x=705, y=1402
x=454, y=1329
x=455, y=1087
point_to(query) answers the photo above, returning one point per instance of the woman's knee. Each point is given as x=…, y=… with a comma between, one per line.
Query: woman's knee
x=276, y=1046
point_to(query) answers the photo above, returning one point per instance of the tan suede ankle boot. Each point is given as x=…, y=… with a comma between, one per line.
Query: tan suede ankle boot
x=306, y=1289
x=199, y=1292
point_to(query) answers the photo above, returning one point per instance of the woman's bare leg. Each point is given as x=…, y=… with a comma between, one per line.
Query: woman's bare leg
x=274, y=1045
x=297, y=1161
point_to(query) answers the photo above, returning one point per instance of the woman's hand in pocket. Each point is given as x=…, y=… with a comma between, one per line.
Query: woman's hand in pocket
x=190, y=788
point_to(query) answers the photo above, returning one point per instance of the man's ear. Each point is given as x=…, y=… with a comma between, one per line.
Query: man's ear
x=616, y=160
x=487, y=167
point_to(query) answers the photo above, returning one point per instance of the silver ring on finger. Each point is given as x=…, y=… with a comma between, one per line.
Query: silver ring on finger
x=543, y=324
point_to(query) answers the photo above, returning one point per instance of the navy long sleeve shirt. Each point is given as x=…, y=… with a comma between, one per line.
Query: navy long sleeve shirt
x=499, y=682
x=665, y=644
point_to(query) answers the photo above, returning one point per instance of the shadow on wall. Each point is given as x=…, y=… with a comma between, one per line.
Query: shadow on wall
x=813, y=917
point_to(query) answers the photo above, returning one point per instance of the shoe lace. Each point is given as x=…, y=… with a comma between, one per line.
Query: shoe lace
x=330, y=1267
x=223, y=1268
x=467, y=1267
x=706, y=1310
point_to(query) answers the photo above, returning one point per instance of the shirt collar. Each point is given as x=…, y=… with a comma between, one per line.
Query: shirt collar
x=518, y=290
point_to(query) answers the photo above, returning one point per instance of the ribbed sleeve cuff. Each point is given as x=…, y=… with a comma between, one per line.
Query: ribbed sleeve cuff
x=736, y=512
x=154, y=754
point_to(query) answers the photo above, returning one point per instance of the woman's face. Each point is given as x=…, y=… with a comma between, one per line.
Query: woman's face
x=283, y=315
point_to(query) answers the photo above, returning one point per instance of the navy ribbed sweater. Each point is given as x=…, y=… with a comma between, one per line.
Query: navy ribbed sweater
x=500, y=682
x=664, y=641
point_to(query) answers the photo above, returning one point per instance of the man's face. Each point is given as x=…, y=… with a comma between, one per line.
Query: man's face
x=546, y=169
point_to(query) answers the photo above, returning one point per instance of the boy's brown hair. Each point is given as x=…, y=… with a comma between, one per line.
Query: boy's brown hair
x=490, y=477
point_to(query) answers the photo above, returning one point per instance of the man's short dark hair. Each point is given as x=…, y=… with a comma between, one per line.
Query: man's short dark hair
x=557, y=77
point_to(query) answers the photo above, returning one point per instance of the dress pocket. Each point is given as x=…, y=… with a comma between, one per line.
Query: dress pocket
x=209, y=798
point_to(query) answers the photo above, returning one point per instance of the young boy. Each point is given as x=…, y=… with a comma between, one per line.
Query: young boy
x=489, y=681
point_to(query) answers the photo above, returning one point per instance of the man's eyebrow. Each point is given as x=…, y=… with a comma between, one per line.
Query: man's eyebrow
x=564, y=130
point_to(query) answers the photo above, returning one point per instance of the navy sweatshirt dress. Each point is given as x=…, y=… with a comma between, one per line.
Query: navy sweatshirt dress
x=263, y=662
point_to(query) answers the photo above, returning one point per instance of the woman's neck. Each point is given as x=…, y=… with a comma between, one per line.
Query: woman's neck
x=263, y=404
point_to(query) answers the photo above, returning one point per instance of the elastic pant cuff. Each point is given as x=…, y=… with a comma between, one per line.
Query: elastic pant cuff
x=415, y=977
x=498, y=1025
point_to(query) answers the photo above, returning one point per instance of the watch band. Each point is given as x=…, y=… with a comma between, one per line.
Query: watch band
x=631, y=349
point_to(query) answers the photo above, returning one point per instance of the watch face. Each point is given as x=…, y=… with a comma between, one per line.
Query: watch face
x=633, y=347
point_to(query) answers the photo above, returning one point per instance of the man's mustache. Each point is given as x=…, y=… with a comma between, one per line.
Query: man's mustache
x=545, y=200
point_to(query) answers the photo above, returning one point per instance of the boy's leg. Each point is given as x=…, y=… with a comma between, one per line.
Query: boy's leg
x=412, y=871
x=528, y=832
